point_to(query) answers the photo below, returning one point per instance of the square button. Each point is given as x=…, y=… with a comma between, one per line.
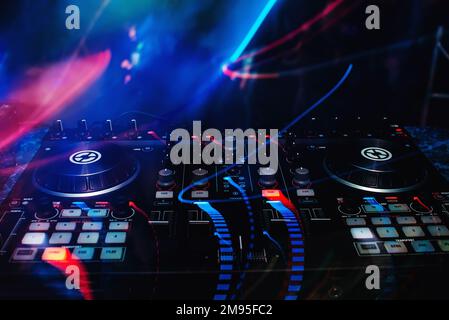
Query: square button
x=355, y=221
x=85, y=253
x=60, y=238
x=164, y=194
x=34, y=238
x=430, y=219
x=398, y=207
x=422, y=246
x=111, y=253
x=97, y=213
x=92, y=226
x=305, y=192
x=373, y=208
x=71, y=213
x=88, y=237
x=119, y=225
x=444, y=245
x=379, y=221
x=394, y=247
x=368, y=248
x=406, y=220
x=387, y=232
x=115, y=237
x=361, y=233
x=200, y=194
x=24, y=254
x=413, y=232
x=65, y=226
x=55, y=254
x=39, y=226
x=438, y=231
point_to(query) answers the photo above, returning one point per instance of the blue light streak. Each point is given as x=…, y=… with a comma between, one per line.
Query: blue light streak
x=298, y=118
x=260, y=19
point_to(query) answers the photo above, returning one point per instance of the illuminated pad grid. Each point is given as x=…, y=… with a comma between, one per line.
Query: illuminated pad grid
x=89, y=241
x=398, y=235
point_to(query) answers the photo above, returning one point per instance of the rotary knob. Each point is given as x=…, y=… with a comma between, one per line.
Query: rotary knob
x=267, y=177
x=45, y=210
x=419, y=206
x=301, y=177
x=349, y=207
x=166, y=178
x=199, y=177
x=122, y=212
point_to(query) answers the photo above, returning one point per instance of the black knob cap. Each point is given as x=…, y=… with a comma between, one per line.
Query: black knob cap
x=199, y=177
x=349, y=207
x=267, y=177
x=301, y=177
x=82, y=126
x=57, y=130
x=44, y=210
x=133, y=131
x=58, y=127
x=122, y=212
x=166, y=178
x=419, y=206
x=108, y=129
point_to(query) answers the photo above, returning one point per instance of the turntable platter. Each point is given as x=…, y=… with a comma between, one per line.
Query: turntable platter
x=85, y=170
x=375, y=165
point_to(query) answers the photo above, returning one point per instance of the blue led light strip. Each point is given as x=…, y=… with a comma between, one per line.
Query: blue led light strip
x=250, y=35
x=226, y=250
x=251, y=227
x=372, y=201
x=296, y=248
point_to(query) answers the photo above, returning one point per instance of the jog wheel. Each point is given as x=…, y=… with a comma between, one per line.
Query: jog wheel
x=376, y=165
x=85, y=170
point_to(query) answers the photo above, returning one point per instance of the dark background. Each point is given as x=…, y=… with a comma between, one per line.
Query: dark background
x=187, y=41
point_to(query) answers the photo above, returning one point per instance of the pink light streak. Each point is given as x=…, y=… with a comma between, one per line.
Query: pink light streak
x=45, y=91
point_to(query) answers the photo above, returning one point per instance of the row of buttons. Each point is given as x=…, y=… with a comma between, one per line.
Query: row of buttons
x=397, y=247
x=376, y=208
x=387, y=220
x=40, y=238
x=92, y=213
x=61, y=254
x=391, y=232
x=71, y=226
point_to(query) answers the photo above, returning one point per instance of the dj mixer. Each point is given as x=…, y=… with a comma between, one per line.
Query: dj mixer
x=111, y=204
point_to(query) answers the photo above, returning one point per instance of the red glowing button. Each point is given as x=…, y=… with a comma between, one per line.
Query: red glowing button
x=268, y=193
x=55, y=254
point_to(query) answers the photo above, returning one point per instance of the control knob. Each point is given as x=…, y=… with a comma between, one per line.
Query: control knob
x=301, y=177
x=419, y=206
x=45, y=210
x=122, y=211
x=166, y=178
x=267, y=177
x=199, y=177
x=349, y=207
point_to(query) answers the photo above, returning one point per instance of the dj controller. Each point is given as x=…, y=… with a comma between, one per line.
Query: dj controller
x=110, y=204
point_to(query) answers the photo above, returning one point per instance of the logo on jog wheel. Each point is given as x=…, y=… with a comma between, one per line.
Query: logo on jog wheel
x=376, y=154
x=85, y=157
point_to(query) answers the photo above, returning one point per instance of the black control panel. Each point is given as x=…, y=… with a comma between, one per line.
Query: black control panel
x=112, y=204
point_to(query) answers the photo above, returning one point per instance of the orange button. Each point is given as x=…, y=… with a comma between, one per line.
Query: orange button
x=270, y=193
x=54, y=254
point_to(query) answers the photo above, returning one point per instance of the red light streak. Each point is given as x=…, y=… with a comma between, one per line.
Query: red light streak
x=247, y=75
x=62, y=261
x=417, y=199
x=46, y=91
